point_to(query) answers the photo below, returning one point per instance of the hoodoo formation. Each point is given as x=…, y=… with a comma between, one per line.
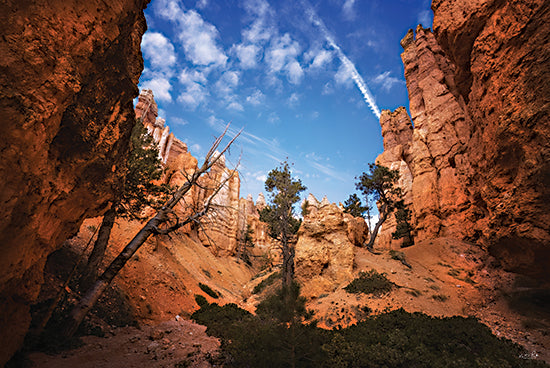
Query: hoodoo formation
x=473, y=159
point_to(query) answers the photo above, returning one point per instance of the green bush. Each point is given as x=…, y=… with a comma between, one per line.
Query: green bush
x=266, y=282
x=394, y=339
x=370, y=282
x=209, y=291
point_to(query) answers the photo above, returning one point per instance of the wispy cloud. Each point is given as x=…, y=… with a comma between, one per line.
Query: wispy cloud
x=328, y=171
x=348, y=10
x=387, y=81
x=293, y=100
x=349, y=66
x=425, y=18
x=256, y=98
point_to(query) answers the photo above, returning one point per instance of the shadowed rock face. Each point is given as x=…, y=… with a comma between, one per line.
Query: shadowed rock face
x=479, y=153
x=68, y=74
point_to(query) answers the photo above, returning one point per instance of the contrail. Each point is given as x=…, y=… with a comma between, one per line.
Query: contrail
x=359, y=81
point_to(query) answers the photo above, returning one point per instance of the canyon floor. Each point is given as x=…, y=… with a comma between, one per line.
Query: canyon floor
x=446, y=278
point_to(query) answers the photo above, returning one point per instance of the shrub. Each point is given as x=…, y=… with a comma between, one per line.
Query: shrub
x=370, y=282
x=209, y=291
x=201, y=300
x=440, y=297
x=266, y=282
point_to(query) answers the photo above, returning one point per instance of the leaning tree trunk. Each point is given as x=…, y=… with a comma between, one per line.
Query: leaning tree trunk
x=93, y=294
x=383, y=216
x=89, y=276
x=151, y=227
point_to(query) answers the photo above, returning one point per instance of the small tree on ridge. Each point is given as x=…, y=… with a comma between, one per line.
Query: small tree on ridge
x=284, y=192
x=378, y=184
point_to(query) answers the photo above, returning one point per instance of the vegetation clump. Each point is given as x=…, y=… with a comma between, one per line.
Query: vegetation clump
x=266, y=282
x=208, y=290
x=370, y=282
x=280, y=335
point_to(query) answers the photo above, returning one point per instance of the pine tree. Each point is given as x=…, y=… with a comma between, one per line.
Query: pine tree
x=137, y=191
x=379, y=185
x=284, y=192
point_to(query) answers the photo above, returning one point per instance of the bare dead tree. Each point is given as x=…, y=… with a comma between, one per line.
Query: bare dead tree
x=152, y=227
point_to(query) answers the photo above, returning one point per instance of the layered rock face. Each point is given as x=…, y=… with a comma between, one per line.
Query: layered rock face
x=479, y=154
x=222, y=229
x=68, y=74
x=324, y=251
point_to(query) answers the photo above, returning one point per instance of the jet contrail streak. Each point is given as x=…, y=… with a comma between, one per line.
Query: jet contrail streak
x=359, y=81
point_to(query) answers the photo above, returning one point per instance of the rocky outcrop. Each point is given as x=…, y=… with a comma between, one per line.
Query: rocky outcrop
x=324, y=251
x=479, y=154
x=68, y=74
x=397, y=133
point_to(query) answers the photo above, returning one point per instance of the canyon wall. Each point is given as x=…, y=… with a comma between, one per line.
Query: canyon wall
x=68, y=74
x=479, y=153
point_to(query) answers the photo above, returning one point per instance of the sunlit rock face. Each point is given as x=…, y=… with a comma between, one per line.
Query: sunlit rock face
x=479, y=155
x=324, y=250
x=69, y=72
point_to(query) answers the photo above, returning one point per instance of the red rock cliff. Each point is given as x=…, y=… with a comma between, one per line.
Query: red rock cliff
x=68, y=74
x=479, y=153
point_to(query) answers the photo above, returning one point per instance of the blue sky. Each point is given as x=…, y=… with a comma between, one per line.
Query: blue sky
x=305, y=79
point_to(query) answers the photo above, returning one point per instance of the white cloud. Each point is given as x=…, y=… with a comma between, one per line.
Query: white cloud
x=198, y=38
x=261, y=30
x=347, y=9
x=261, y=178
x=344, y=75
x=327, y=89
x=248, y=55
x=201, y=4
x=196, y=147
x=227, y=82
x=273, y=118
x=293, y=100
x=193, y=96
x=158, y=50
x=295, y=72
x=168, y=9
x=320, y=58
x=256, y=98
x=281, y=56
x=188, y=76
x=194, y=89
x=161, y=88
x=235, y=106
x=178, y=121
x=387, y=81
x=425, y=18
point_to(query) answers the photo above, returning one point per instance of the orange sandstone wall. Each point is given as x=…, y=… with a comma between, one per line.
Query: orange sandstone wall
x=68, y=74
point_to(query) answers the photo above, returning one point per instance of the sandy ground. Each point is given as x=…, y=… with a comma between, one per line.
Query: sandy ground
x=169, y=344
x=447, y=278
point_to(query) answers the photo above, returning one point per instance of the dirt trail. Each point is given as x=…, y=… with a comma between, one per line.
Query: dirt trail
x=169, y=344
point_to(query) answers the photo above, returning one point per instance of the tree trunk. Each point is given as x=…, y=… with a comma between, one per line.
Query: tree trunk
x=151, y=227
x=89, y=276
x=383, y=216
x=93, y=294
x=288, y=262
